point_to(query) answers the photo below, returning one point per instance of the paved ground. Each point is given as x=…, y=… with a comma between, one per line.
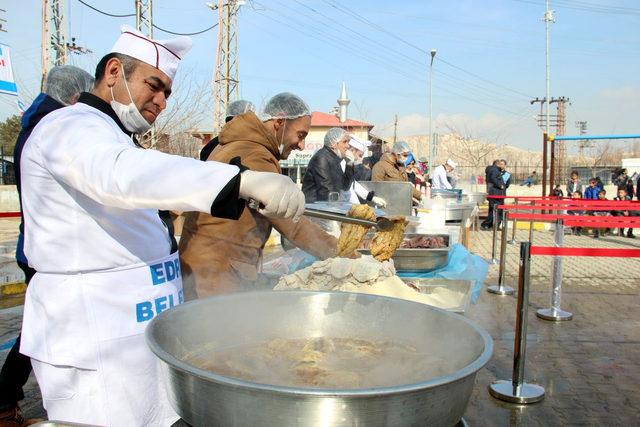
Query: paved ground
x=589, y=366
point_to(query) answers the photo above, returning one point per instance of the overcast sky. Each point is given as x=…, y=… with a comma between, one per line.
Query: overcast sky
x=490, y=58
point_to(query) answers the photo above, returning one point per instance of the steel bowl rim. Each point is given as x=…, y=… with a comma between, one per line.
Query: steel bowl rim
x=462, y=373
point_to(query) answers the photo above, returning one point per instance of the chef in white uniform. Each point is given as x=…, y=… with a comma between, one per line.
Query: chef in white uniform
x=439, y=179
x=104, y=258
x=353, y=156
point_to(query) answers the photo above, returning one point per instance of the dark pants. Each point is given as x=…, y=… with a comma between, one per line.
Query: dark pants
x=17, y=367
x=492, y=207
x=621, y=213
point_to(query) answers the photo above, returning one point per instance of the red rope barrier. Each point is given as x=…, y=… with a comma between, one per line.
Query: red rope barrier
x=581, y=220
x=634, y=203
x=524, y=197
x=601, y=222
x=594, y=252
x=9, y=214
x=577, y=207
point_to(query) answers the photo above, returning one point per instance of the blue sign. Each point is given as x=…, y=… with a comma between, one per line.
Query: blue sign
x=7, y=82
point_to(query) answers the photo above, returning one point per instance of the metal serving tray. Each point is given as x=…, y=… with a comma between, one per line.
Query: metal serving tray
x=428, y=286
x=423, y=260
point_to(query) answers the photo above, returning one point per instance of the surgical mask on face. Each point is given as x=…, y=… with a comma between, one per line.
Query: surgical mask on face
x=129, y=115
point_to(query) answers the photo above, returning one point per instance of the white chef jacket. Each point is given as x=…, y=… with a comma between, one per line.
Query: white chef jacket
x=357, y=192
x=90, y=197
x=439, y=179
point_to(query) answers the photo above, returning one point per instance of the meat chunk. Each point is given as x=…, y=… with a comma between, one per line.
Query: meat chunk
x=385, y=243
x=352, y=234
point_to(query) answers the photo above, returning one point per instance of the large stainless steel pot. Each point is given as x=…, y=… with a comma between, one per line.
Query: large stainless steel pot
x=202, y=397
x=476, y=197
x=458, y=211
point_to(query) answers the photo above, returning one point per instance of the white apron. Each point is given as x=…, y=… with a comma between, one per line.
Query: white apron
x=117, y=306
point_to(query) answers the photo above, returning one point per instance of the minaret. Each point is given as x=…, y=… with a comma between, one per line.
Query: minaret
x=343, y=102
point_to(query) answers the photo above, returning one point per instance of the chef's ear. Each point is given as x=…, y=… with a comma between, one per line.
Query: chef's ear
x=112, y=70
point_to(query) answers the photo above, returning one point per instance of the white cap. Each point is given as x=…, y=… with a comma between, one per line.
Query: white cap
x=165, y=55
x=451, y=163
x=358, y=144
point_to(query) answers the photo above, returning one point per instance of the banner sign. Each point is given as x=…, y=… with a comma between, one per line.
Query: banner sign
x=7, y=83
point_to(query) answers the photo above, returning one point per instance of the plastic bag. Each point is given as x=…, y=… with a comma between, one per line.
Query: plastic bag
x=292, y=260
x=462, y=265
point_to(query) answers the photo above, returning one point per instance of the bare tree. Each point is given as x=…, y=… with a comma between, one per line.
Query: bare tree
x=605, y=154
x=187, y=110
x=468, y=149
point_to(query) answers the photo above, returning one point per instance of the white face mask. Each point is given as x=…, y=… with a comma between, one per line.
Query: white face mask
x=129, y=115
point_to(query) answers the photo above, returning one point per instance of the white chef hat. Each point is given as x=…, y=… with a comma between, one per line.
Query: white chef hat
x=452, y=163
x=358, y=144
x=165, y=55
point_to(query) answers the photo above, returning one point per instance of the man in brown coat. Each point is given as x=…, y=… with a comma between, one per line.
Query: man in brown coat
x=391, y=166
x=221, y=256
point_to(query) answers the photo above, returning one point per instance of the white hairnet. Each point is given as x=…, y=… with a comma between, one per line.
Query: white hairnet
x=65, y=81
x=333, y=136
x=285, y=105
x=400, y=147
x=239, y=107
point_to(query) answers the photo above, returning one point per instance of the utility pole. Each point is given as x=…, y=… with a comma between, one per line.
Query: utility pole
x=54, y=36
x=395, y=129
x=3, y=21
x=585, y=143
x=144, y=24
x=544, y=143
x=225, y=76
x=54, y=47
x=560, y=146
x=431, y=141
x=144, y=17
x=548, y=19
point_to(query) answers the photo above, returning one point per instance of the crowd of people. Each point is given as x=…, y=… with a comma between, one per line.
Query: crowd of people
x=595, y=191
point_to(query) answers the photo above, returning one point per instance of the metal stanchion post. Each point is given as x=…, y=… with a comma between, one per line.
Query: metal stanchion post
x=555, y=313
x=500, y=289
x=494, y=242
x=513, y=231
x=516, y=390
x=531, y=225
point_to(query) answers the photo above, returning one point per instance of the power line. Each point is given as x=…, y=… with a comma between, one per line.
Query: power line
x=589, y=7
x=346, y=10
x=482, y=78
x=330, y=39
x=338, y=44
x=185, y=34
x=487, y=93
x=114, y=15
x=351, y=30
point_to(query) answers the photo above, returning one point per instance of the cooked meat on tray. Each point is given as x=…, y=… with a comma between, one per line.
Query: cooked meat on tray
x=424, y=242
